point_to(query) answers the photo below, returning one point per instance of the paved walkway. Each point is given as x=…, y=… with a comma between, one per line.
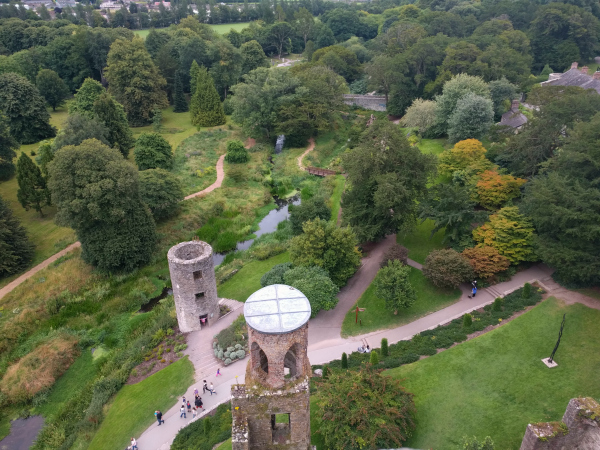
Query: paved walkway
x=310, y=148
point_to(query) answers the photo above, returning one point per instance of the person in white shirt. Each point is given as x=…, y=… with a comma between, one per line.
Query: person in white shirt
x=134, y=444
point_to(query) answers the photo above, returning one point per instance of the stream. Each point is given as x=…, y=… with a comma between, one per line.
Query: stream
x=267, y=225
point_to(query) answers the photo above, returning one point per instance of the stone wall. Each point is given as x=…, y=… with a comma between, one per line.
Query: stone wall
x=372, y=102
x=579, y=429
x=275, y=352
x=194, y=286
x=258, y=407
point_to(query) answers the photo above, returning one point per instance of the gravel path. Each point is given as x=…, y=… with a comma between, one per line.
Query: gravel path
x=216, y=184
x=310, y=148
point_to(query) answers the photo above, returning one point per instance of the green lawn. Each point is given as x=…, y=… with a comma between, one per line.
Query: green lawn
x=376, y=316
x=225, y=445
x=496, y=384
x=419, y=242
x=221, y=28
x=132, y=410
x=247, y=280
x=433, y=146
x=336, y=197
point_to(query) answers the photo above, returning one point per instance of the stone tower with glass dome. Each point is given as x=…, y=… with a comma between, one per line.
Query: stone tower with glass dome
x=272, y=410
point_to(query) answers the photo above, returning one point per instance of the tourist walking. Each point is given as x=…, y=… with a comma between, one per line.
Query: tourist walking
x=134, y=444
x=204, y=387
x=218, y=372
x=196, y=390
x=182, y=411
x=194, y=412
x=158, y=415
x=198, y=402
x=212, y=389
x=189, y=407
x=473, y=292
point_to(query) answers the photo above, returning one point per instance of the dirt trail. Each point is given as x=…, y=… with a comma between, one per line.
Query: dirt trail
x=310, y=148
x=13, y=284
x=216, y=184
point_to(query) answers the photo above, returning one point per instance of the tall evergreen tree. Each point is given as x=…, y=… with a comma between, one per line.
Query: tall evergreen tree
x=8, y=145
x=206, y=107
x=85, y=97
x=112, y=114
x=180, y=103
x=32, y=192
x=15, y=248
x=194, y=77
x=135, y=81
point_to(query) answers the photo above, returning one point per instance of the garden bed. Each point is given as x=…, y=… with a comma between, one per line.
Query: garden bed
x=231, y=343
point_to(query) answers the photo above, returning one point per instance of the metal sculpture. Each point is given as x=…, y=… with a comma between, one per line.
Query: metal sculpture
x=562, y=326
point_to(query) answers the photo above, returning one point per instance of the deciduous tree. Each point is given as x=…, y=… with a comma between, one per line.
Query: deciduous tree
x=25, y=109
x=112, y=115
x=161, y=191
x=8, y=145
x=32, y=192
x=314, y=282
x=97, y=194
x=461, y=156
x=392, y=284
x=325, y=245
x=486, y=261
x=308, y=210
x=52, y=87
x=16, y=249
x=135, y=81
x=509, y=232
x=447, y=268
x=253, y=56
x=78, y=128
x=387, y=178
x=421, y=115
x=456, y=89
x=494, y=190
x=471, y=119
x=85, y=97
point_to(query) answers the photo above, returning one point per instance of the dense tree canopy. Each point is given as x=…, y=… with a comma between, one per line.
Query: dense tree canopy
x=97, y=194
x=161, y=191
x=17, y=252
x=25, y=109
x=152, y=151
x=32, y=192
x=387, y=177
x=8, y=145
x=52, y=87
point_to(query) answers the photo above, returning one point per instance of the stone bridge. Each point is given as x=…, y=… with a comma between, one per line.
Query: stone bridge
x=372, y=102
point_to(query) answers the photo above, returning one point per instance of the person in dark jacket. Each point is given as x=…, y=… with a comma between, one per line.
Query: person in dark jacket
x=158, y=415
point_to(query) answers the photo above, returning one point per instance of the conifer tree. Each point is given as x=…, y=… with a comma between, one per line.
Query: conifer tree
x=8, y=145
x=15, y=248
x=111, y=113
x=32, y=192
x=206, y=107
x=180, y=103
x=194, y=69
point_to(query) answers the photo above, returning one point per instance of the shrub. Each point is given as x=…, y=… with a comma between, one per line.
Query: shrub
x=308, y=210
x=344, y=360
x=486, y=261
x=409, y=358
x=393, y=286
x=467, y=320
x=275, y=275
x=374, y=358
x=395, y=252
x=526, y=293
x=384, y=347
x=447, y=268
x=236, y=153
x=326, y=372
x=152, y=151
x=497, y=305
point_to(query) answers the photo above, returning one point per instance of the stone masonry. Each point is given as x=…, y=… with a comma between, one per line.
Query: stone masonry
x=579, y=429
x=372, y=102
x=194, y=286
x=272, y=410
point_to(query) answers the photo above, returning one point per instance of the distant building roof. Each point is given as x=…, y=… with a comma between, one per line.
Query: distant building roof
x=513, y=118
x=575, y=77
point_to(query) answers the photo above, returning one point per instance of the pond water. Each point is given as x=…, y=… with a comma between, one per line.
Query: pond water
x=22, y=433
x=267, y=225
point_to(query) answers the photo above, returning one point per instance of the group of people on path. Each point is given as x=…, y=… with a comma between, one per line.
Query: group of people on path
x=186, y=407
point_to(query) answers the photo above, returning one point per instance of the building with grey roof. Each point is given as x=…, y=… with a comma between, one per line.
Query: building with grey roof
x=513, y=118
x=575, y=77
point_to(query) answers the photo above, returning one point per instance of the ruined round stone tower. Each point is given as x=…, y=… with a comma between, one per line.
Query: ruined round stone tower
x=194, y=286
x=272, y=410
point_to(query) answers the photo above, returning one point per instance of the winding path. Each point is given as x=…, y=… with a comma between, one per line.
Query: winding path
x=216, y=184
x=310, y=148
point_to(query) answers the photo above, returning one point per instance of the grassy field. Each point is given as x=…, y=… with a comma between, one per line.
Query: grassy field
x=225, y=445
x=419, y=242
x=495, y=385
x=132, y=410
x=247, y=280
x=221, y=28
x=376, y=316
x=433, y=146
